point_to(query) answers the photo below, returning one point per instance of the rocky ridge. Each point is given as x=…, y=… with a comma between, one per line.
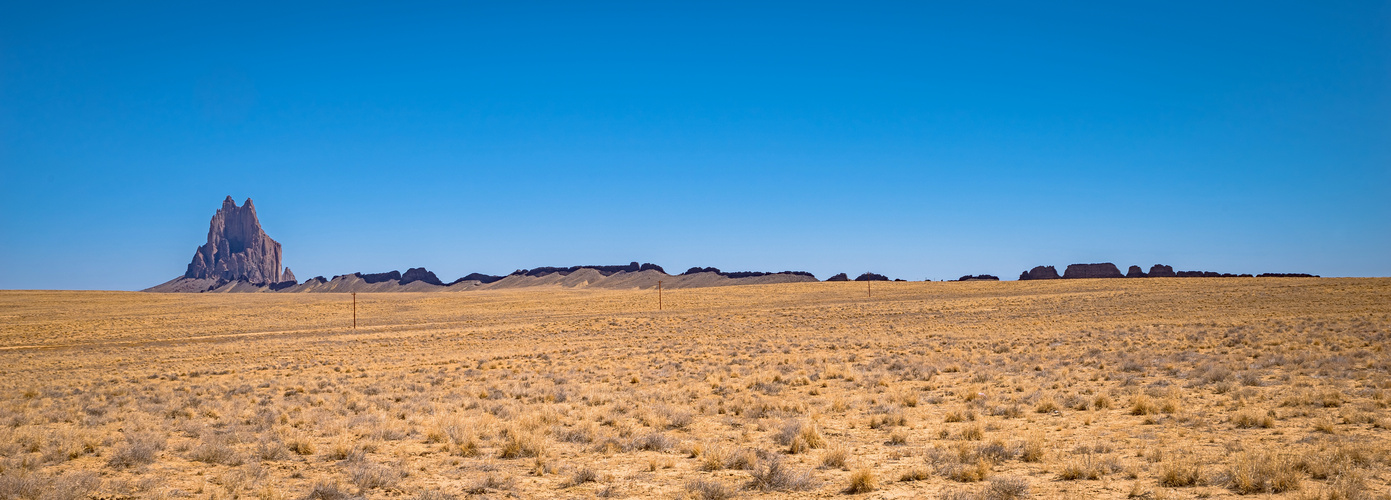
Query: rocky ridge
x=1109, y=270
x=240, y=257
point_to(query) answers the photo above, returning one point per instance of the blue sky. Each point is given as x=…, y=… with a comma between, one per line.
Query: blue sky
x=913, y=139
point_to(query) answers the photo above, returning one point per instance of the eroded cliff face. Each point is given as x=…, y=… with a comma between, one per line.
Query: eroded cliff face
x=237, y=248
x=1083, y=271
x=1040, y=273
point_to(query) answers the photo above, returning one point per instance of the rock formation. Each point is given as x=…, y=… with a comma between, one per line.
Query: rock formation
x=1162, y=271
x=287, y=276
x=982, y=277
x=604, y=270
x=1210, y=274
x=871, y=277
x=1286, y=275
x=378, y=277
x=1039, y=273
x=479, y=277
x=839, y=277
x=420, y=274
x=1081, y=271
x=740, y=274
x=237, y=248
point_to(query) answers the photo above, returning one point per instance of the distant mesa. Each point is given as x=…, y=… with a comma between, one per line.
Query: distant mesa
x=1210, y=274
x=479, y=277
x=1039, y=273
x=1082, y=271
x=379, y=277
x=839, y=277
x=604, y=270
x=420, y=274
x=871, y=277
x=981, y=277
x=1161, y=271
x=743, y=274
x=1109, y=270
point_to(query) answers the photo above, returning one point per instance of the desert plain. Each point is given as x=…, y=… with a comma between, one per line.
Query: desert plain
x=1139, y=388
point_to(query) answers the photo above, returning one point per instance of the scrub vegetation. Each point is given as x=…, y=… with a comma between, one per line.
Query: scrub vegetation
x=1143, y=388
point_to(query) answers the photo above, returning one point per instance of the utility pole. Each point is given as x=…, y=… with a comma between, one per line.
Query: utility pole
x=659, y=295
x=354, y=312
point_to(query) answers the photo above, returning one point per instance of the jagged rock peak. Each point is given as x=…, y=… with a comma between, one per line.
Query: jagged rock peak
x=287, y=276
x=237, y=248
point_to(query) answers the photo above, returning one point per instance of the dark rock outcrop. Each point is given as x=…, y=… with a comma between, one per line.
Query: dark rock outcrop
x=1209, y=274
x=871, y=277
x=839, y=277
x=1162, y=271
x=1039, y=273
x=420, y=274
x=275, y=287
x=742, y=274
x=479, y=277
x=1083, y=271
x=237, y=248
x=379, y=277
x=287, y=280
x=1135, y=272
x=604, y=270
x=647, y=266
x=1286, y=275
x=982, y=277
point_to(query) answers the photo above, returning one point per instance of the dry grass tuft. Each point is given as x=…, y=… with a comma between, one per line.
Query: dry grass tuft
x=1252, y=472
x=522, y=444
x=1180, y=470
x=707, y=489
x=862, y=481
x=835, y=457
x=1252, y=419
x=138, y=449
x=1007, y=488
x=773, y=474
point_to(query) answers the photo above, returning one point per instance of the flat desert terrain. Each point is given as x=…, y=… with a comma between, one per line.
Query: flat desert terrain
x=1122, y=388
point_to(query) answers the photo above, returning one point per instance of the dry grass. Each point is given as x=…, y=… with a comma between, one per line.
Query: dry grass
x=862, y=481
x=1164, y=388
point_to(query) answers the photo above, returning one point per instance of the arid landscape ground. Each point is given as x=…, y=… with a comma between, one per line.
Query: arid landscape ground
x=1140, y=388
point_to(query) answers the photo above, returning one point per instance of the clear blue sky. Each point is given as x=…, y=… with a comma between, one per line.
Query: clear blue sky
x=912, y=139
